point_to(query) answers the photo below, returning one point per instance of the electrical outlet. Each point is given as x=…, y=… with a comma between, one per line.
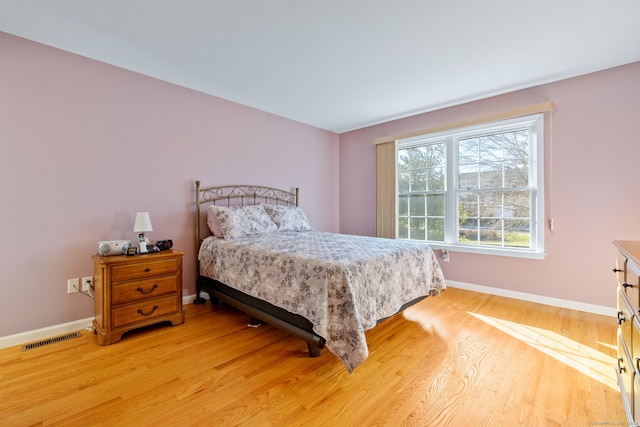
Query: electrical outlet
x=73, y=285
x=86, y=283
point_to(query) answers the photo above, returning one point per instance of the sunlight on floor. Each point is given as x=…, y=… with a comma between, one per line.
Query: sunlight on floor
x=609, y=346
x=585, y=359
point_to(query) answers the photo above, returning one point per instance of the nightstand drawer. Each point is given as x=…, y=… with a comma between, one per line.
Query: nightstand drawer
x=126, y=292
x=143, y=311
x=121, y=273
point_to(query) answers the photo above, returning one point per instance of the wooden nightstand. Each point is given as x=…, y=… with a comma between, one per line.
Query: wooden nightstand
x=135, y=291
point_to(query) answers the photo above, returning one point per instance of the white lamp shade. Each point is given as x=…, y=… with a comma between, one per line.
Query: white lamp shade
x=143, y=223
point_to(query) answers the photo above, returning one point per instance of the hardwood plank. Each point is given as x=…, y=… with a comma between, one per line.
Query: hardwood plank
x=462, y=358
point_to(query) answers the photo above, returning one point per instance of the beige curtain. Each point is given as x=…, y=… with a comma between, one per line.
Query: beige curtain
x=386, y=189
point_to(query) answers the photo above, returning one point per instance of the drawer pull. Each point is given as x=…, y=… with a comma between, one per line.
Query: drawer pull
x=620, y=317
x=621, y=368
x=155, y=286
x=616, y=270
x=155, y=307
x=147, y=269
x=627, y=285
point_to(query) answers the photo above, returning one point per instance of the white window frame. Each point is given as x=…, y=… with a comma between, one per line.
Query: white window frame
x=535, y=124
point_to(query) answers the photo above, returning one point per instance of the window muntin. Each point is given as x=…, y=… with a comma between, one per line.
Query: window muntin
x=478, y=188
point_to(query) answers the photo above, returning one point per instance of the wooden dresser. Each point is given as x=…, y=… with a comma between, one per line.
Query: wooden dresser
x=627, y=271
x=135, y=291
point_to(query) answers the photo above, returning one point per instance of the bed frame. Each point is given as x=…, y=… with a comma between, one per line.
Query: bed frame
x=257, y=310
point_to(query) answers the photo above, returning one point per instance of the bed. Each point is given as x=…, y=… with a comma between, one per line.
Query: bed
x=258, y=253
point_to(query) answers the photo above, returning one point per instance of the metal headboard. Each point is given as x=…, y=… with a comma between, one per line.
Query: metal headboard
x=237, y=195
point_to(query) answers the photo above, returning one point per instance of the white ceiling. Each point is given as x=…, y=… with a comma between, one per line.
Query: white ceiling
x=340, y=64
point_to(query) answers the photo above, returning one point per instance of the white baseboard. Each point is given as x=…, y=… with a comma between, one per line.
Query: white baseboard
x=65, y=328
x=555, y=302
x=48, y=332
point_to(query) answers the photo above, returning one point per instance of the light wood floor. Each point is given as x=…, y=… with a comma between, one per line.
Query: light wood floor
x=462, y=358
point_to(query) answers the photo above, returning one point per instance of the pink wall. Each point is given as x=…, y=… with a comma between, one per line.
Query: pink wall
x=596, y=147
x=84, y=145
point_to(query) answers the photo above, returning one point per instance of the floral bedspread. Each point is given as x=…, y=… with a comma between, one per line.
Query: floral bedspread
x=342, y=283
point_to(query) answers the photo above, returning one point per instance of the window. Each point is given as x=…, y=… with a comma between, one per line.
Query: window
x=475, y=189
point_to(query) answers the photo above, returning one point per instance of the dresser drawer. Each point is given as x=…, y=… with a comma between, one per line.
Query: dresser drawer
x=635, y=345
x=625, y=317
x=126, y=292
x=120, y=273
x=621, y=268
x=632, y=285
x=626, y=376
x=143, y=311
x=636, y=401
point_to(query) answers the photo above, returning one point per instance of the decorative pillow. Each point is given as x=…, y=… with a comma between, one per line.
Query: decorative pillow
x=288, y=218
x=212, y=221
x=240, y=221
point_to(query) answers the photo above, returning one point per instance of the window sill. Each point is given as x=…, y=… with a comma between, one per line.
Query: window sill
x=489, y=251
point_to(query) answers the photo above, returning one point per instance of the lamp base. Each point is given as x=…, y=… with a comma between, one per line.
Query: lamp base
x=142, y=243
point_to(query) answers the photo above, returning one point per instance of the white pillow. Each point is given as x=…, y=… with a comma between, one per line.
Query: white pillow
x=288, y=218
x=212, y=221
x=240, y=221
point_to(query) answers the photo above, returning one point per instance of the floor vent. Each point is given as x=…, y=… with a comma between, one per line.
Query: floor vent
x=48, y=341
